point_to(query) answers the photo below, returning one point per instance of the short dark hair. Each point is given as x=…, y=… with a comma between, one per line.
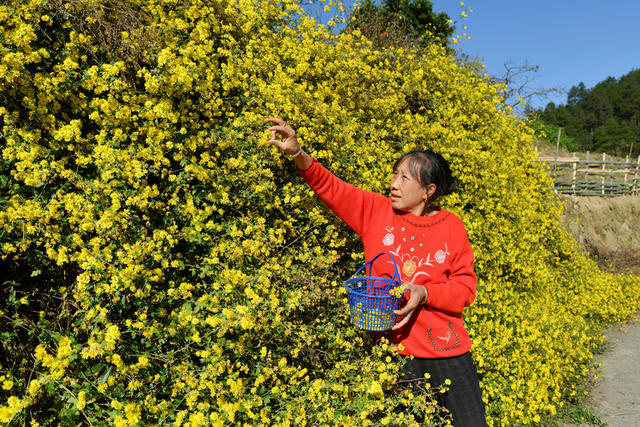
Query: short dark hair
x=429, y=167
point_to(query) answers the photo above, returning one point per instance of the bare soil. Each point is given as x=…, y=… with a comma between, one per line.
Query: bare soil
x=608, y=228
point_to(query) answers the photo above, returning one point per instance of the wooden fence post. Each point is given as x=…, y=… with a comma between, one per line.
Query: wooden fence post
x=634, y=190
x=586, y=166
x=573, y=176
x=555, y=164
x=604, y=170
x=626, y=173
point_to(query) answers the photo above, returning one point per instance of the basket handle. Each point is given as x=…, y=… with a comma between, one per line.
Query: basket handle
x=396, y=275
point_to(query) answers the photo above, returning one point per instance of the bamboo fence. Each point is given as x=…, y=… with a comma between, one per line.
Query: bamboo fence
x=603, y=177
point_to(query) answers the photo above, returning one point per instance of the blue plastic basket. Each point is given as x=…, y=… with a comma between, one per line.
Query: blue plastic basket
x=370, y=302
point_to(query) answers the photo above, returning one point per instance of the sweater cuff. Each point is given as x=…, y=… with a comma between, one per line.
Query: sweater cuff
x=426, y=296
x=304, y=172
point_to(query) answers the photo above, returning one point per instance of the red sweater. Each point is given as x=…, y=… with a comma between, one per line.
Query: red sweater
x=431, y=251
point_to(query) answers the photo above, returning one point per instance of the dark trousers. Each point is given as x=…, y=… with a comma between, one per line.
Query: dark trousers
x=463, y=399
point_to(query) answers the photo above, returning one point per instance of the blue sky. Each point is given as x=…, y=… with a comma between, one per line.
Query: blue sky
x=571, y=41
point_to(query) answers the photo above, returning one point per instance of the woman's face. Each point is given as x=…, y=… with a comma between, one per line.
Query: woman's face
x=407, y=194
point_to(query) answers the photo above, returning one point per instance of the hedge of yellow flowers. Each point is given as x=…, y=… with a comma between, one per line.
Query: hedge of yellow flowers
x=161, y=264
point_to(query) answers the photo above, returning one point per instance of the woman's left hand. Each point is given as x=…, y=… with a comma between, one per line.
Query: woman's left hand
x=418, y=296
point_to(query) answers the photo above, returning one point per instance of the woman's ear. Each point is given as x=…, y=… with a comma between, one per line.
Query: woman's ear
x=430, y=192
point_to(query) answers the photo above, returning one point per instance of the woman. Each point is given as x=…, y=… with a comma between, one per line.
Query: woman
x=432, y=251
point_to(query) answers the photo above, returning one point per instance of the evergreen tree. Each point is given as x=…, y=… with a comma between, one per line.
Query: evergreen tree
x=576, y=94
x=604, y=118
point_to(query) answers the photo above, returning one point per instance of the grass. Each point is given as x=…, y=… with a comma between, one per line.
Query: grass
x=575, y=410
x=578, y=415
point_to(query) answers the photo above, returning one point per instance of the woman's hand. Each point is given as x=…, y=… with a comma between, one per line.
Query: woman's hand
x=418, y=296
x=289, y=143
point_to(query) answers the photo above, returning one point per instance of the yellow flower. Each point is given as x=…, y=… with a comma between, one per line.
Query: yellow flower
x=34, y=387
x=143, y=362
x=82, y=400
x=132, y=412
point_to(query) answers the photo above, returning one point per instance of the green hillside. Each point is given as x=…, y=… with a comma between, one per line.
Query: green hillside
x=604, y=118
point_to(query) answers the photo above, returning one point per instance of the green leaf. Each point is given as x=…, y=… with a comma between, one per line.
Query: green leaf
x=186, y=307
x=104, y=376
x=98, y=367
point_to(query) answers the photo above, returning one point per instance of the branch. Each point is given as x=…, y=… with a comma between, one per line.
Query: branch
x=518, y=81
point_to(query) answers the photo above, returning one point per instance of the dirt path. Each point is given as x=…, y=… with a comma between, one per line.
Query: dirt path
x=616, y=396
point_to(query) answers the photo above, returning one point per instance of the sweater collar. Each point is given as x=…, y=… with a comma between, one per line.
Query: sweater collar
x=423, y=221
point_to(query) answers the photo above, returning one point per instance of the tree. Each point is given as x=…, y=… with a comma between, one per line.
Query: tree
x=407, y=23
x=577, y=94
x=605, y=117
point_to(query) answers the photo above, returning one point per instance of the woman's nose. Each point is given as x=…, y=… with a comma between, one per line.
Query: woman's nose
x=393, y=183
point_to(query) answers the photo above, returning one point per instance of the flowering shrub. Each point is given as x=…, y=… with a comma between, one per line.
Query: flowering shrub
x=162, y=264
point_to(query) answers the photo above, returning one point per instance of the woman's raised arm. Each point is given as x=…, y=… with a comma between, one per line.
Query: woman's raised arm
x=353, y=205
